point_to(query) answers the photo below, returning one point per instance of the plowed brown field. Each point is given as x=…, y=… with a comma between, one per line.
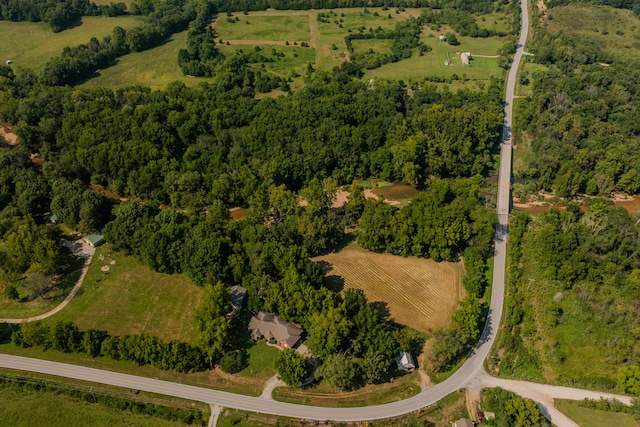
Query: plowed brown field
x=420, y=293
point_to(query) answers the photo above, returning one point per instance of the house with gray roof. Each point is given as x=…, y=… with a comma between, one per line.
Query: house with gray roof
x=271, y=327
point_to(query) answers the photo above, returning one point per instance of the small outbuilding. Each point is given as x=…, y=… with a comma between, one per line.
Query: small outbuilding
x=237, y=296
x=465, y=57
x=405, y=361
x=8, y=62
x=52, y=218
x=95, y=239
x=442, y=38
x=464, y=422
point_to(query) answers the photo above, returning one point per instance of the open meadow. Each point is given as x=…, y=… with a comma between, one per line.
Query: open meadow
x=420, y=293
x=130, y=298
x=616, y=31
x=31, y=45
x=154, y=68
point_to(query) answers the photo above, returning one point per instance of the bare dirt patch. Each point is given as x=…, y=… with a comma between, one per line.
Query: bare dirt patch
x=420, y=293
x=8, y=135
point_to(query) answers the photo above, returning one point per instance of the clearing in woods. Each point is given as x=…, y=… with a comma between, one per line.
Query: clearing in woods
x=420, y=293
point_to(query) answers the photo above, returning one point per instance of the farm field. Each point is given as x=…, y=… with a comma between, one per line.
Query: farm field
x=617, y=31
x=154, y=68
x=130, y=298
x=586, y=417
x=31, y=45
x=420, y=293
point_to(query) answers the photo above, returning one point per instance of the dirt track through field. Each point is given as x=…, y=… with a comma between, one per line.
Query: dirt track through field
x=420, y=293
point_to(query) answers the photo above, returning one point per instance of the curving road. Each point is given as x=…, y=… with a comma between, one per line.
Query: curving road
x=471, y=374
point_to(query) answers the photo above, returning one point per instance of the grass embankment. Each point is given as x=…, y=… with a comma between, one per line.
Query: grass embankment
x=29, y=403
x=129, y=298
x=323, y=395
x=419, y=293
x=31, y=45
x=614, y=30
x=586, y=417
x=449, y=409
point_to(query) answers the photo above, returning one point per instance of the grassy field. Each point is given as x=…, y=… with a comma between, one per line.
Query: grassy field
x=617, y=31
x=26, y=408
x=291, y=27
x=31, y=45
x=586, y=417
x=323, y=395
x=499, y=21
x=130, y=298
x=154, y=68
x=420, y=293
x=378, y=46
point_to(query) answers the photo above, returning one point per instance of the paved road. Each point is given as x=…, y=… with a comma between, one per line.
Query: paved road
x=471, y=374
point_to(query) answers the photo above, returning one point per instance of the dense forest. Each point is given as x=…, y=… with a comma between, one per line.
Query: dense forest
x=583, y=120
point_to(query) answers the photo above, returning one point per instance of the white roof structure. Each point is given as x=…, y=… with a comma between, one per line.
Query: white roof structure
x=405, y=361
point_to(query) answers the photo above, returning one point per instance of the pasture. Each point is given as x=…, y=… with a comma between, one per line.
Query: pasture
x=616, y=31
x=130, y=298
x=290, y=27
x=420, y=293
x=31, y=45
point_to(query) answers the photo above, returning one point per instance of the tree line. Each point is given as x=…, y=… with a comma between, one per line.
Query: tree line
x=59, y=15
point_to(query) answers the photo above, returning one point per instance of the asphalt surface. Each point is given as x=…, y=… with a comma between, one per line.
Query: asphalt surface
x=471, y=374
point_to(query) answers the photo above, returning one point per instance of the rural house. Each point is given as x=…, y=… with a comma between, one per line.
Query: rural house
x=271, y=327
x=405, y=361
x=465, y=57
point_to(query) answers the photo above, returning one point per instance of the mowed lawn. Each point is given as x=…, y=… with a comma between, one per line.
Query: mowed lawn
x=614, y=30
x=130, y=298
x=586, y=417
x=288, y=27
x=28, y=408
x=295, y=58
x=420, y=293
x=154, y=68
x=31, y=45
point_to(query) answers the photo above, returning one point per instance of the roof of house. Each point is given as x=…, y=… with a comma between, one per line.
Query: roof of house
x=405, y=360
x=463, y=422
x=237, y=296
x=271, y=326
x=95, y=238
